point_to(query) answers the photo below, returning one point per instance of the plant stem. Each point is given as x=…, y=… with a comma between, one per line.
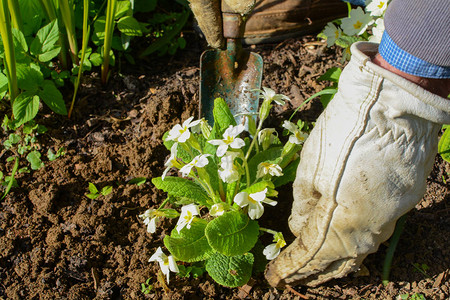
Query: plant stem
x=164, y=203
x=391, y=249
x=268, y=230
x=109, y=28
x=9, y=58
x=67, y=15
x=86, y=31
x=16, y=17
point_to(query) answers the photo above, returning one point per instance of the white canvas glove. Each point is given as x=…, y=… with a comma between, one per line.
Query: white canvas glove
x=363, y=166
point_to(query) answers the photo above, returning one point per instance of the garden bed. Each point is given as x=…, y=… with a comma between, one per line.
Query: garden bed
x=56, y=243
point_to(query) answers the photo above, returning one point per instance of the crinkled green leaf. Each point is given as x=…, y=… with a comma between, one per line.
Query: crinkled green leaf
x=20, y=46
x=122, y=8
x=53, y=97
x=189, y=245
x=34, y=157
x=92, y=188
x=231, y=271
x=223, y=118
x=183, y=188
x=3, y=83
x=25, y=107
x=444, y=145
x=106, y=190
x=233, y=233
x=129, y=26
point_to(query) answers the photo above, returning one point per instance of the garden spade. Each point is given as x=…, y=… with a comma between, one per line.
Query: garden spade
x=233, y=74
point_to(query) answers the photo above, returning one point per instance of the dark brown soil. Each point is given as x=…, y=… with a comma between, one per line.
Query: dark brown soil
x=56, y=243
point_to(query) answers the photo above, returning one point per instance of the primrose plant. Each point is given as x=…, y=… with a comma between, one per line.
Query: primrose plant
x=228, y=179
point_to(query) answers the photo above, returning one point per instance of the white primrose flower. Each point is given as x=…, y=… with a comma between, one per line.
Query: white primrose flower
x=217, y=209
x=228, y=172
x=377, y=31
x=199, y=162
x=269, y=95
x=150, y=219
x=230, y=139
x=357, y=23
x=376, y=7
x=181, y=133
x=271, y=251
x=254, y=202
x=266, y=137
x=171, y=161
x=166, y=263
x=265, y=168
x=297, y=136
x=187, y=216
x=332, y=33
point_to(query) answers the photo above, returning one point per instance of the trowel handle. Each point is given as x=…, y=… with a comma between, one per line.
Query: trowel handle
x=233, y=25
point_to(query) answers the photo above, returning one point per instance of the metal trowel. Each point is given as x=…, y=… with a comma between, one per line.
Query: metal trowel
x=232, y=74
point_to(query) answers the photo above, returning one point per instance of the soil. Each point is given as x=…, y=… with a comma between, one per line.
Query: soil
x=56, y=243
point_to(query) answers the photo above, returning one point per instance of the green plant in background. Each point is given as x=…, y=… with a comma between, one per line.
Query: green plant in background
x=109, y=28
x=94, y=193
x=9, y=59
x=407, y=296
x=231, y=179
x=444, y=144
x=24, y=150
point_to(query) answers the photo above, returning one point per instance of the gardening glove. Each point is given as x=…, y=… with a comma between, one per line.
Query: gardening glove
x=363, y=166
x=208, y=14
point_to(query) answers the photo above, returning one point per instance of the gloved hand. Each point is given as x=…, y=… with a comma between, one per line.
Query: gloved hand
x=363, y=166
x=209, y=16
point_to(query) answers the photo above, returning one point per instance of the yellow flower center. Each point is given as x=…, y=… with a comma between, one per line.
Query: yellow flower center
x=188, y=216
x=281, y=243
x=253, y=201
x=381, y=5
x=299, y=136
x=229, y=140
x=357, y=25
x=336, y=34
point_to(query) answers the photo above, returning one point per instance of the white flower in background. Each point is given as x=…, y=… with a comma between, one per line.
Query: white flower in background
x=171, y=161
x=166, y=263
x=181, y=133
x=332, y=33
x=254, y=202
x=377, y=31
x=269, y=95
x=265, y=168
x=228, y=172
x=199, y=162
x=230, y=139
x=188, y=212
x=297, y=136
x=357, y=23
x=271, y=251
x=376, y=8
x=217, y=209
x=150, y=218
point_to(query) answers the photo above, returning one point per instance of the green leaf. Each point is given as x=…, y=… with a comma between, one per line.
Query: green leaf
x=10, y=179
x=261, y=185
x=96, y=59
x=444, y=145
x=232, y=233
x=44, y=44
x=223, y=117
x=122, y=8
x=29, y=77
x=289, y=174
x=106, y=190
x=53, y=97
x=14, y=138
x=92, y=188
x=129, y=26
x=3, y=83
x=184, y=189
x=327, y=95
x=230, y=271
x=138, y=181
x=34, y=157
x=331, y=74
x=189, y=245
x=25, y=107
x=20, y=45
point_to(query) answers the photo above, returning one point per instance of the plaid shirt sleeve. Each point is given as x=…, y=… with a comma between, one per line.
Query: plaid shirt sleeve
x=408, y=63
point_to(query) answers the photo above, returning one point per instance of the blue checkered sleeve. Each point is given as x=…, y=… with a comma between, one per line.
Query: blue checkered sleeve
x=408, y=63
